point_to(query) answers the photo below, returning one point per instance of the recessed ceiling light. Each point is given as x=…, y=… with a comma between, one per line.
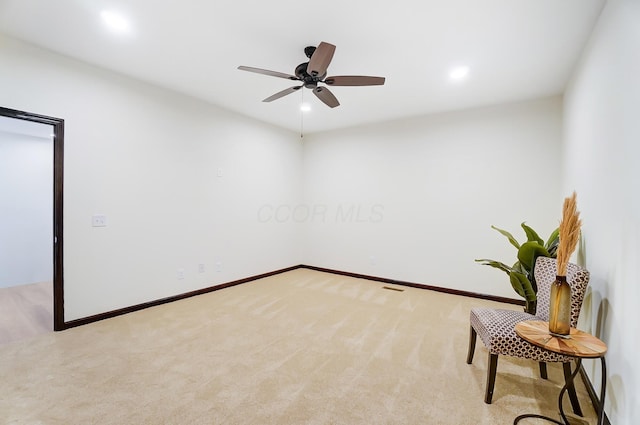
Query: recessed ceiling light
x=115, y=21
x=305, y=107
x=459, y=73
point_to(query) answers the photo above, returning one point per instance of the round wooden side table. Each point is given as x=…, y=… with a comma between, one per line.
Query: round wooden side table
x=578, y=344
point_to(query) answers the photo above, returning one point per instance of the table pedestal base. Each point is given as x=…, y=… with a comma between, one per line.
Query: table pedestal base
x=564, y=389
x=546, y=418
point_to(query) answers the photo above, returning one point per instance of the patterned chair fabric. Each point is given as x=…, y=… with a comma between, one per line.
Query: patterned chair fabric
x=496, y=327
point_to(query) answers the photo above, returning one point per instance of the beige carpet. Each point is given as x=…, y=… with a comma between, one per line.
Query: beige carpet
x=302, y=347
x=25, y=311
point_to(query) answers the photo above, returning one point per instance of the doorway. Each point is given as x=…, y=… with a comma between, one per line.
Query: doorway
x=32, y=246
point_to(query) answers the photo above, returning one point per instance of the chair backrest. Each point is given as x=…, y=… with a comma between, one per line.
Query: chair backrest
x=545, y=274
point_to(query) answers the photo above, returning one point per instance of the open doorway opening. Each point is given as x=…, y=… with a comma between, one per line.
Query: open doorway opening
x=31, y=280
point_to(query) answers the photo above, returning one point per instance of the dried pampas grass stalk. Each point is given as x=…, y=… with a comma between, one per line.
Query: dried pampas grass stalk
x=569, y=233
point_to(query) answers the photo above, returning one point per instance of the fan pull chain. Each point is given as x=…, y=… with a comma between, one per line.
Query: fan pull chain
x=301, y=113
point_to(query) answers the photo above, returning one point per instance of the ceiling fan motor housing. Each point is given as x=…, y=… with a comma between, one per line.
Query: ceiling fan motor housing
x=308, y=80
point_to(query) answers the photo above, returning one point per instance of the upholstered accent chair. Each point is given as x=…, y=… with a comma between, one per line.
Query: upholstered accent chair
x=496, y=327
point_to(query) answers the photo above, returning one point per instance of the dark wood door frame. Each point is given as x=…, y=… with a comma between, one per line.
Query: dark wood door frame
x=58, y=163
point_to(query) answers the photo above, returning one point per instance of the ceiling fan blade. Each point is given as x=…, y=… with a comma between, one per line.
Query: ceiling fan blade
x=282, y=93
x=267, y=72
x=354, y=80
x=320, y=59
x=326, y=96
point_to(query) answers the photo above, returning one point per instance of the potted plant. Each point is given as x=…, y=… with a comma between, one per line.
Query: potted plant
x=521, y=273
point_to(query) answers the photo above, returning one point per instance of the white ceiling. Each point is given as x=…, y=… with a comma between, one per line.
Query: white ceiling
x=515, y=49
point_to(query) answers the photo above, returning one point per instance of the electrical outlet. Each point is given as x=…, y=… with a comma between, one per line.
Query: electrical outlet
x=99, y=220
x=180, y=274
x=218, y=266
x=200, y=268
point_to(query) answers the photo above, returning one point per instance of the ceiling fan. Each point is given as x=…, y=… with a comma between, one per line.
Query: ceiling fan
x=315, y=71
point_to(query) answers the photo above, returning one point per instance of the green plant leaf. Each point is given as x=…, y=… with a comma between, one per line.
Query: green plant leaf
x=552, y=242
x=495, y=264
x=528, y=253
x=517, y=285
x=522, y=286
x=532, y=236
x=521, y=273
x=517, y=267
x=509, y=236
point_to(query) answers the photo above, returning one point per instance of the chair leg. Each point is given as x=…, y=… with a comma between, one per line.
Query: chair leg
x=472, y=345
x=543, y=370
x=491, y=377
x=571, y=389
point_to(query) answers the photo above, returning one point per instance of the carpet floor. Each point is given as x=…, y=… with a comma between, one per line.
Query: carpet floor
x=302, y=347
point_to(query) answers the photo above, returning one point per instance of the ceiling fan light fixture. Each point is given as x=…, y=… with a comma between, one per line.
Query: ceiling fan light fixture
x=305, y=107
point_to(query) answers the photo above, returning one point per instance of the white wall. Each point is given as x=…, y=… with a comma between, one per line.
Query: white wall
x=602, y=149
x=410, y=200
x=26, y=209
x=429, y=188
x=149, y=159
